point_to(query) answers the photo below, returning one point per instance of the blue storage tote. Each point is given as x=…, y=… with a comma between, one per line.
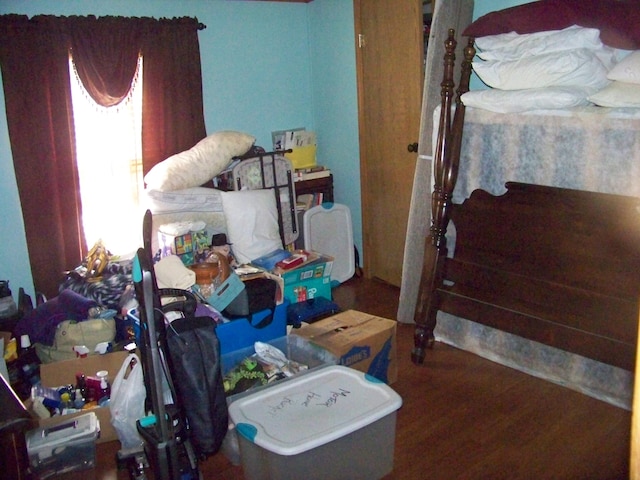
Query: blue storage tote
x=243, y=332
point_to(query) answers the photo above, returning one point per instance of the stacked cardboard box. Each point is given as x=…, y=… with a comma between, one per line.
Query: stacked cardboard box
x=360, y=340
x=62, y=373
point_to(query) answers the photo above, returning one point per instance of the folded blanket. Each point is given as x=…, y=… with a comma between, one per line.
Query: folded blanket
x=41, y=322
x=172, y=273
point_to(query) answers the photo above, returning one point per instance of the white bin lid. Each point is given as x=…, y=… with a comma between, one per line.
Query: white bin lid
x=313, y=410
x=328, y=229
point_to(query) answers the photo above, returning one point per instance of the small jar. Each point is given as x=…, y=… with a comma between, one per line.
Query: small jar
x=206, y=277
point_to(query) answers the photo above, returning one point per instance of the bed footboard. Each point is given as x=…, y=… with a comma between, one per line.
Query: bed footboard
x=557, y=266
x=552, y=265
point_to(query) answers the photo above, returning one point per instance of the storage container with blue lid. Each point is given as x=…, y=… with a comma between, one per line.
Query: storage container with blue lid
x=336, y=423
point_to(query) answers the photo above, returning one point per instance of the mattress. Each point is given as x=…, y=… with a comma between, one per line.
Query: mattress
x=586, y=148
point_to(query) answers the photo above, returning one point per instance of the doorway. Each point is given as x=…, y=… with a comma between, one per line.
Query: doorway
x=390, y=66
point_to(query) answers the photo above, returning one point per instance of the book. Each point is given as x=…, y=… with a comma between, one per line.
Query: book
x=312, y=173
x=305, y=201
x=295, y=260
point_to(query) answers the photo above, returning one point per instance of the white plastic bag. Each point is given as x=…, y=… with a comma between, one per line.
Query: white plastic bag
x=127, y=401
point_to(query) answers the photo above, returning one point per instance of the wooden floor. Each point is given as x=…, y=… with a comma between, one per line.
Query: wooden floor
x=464, y=417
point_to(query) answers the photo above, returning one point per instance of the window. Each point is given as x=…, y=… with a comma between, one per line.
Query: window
x=109, y=158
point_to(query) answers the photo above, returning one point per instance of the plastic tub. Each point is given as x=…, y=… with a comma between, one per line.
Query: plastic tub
x=65, y=447
x=334, y=423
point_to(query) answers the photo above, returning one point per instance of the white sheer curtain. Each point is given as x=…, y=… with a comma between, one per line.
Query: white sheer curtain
x=109, y=157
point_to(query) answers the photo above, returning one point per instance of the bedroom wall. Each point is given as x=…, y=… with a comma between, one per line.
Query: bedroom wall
x=334, y=91
x=266, y=66
x=258, y=76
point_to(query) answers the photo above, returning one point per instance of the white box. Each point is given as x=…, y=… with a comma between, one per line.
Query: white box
x=335, y=423
x=66, y=447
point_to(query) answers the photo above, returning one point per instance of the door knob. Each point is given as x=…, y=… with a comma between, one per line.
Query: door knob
x=413, y=147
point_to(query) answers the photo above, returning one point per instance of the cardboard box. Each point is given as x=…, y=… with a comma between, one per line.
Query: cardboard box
x=63, y=373
x=314, y=287
x=310, y=280
x=320, y=266
x=360, y=340
x=192, y=247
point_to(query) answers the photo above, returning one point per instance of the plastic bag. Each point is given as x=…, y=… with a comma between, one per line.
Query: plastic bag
x=127, y=401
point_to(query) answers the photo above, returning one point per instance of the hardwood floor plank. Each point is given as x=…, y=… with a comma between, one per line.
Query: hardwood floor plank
x=464, y=417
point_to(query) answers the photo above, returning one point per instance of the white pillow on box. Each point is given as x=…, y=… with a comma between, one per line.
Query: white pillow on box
x=252, y=223
x=628, y=70
x=196, y=166
x=618, y=94
x=196, y=199
x=513, y=101
x=580, y=67
x=513, y=46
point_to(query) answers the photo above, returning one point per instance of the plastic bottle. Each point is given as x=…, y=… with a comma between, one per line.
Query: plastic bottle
x=81, y=388
x=105, y=387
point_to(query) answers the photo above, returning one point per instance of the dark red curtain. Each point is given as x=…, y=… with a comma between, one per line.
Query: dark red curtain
x=105, y=54
x=34, y=60
x=172, y=114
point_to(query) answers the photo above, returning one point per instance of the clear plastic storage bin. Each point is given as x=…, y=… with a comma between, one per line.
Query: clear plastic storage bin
x=65, y=447
x=335, y=423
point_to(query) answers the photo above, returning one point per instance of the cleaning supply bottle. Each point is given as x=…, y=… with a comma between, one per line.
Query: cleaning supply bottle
x=105, y=388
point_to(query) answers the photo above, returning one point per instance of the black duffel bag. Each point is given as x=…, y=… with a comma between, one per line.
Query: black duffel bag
x=259, y=294
x=195, y=359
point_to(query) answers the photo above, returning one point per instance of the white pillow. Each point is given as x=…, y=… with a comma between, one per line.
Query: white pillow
x=252, y=223
x=512, y=101
x=618, y=94
x=628, y=70
x=196, y=166
x=513, y=46
x=580, y=67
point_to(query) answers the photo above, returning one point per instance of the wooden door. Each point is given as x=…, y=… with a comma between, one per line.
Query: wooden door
x=390, y=81
x=634, y=461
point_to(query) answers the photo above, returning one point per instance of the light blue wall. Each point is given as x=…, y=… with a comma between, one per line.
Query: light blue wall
x=256, y=68
x=266, y=66
x=335, y=93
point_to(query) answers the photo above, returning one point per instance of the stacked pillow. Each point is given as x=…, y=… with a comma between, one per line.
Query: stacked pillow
x=624, y=90
x=541, y=70
x=196, y=166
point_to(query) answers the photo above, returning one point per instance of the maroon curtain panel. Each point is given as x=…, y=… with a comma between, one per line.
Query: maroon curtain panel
x=172, y=112
x=35, y=74
x=34, y=57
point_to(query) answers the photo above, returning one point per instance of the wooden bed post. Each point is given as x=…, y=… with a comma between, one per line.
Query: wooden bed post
x=445, y=172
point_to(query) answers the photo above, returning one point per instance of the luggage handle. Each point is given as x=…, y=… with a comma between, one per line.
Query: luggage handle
x=187, y=306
